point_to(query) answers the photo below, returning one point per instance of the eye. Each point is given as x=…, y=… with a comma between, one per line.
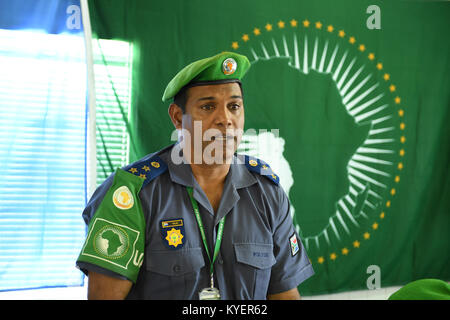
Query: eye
x=207, y=107
x=234, y=106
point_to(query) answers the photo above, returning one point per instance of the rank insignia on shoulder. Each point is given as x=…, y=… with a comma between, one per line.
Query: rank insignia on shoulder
x=262, y=168
x=172, y=233
x=147, y=169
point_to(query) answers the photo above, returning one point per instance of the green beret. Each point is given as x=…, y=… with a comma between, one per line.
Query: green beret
x=224, y=67
x=424, y=289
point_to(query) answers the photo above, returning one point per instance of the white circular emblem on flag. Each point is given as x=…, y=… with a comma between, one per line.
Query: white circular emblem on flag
x=111, y=242
x=123, y=198
x=229, y=66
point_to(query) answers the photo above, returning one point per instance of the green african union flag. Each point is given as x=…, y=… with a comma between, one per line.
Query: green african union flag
x=347, y=101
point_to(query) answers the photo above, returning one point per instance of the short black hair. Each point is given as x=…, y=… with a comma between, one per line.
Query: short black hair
x=181, y=97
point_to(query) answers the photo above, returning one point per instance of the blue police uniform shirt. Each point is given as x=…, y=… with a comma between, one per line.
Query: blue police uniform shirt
x=260, y=254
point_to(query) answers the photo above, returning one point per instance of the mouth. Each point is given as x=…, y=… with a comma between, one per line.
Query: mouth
x=222, y=137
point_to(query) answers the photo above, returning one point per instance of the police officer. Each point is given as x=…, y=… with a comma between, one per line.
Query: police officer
x=195, y=220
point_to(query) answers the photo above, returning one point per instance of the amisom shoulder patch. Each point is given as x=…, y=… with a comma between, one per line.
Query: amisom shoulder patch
x=123, y=198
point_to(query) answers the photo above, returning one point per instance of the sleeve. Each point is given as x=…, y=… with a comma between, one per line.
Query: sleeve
x=292, y=265
x=116, y=233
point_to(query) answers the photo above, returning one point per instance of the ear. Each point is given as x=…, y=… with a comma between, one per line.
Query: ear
x=176, y=115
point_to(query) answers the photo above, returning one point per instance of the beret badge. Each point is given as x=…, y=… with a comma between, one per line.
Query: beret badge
x=229, y=66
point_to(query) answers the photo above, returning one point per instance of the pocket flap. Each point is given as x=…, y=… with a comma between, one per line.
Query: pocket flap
x=258, y=255
x=175, y=263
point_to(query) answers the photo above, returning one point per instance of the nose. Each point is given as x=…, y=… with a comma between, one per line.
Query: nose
x=223, y=117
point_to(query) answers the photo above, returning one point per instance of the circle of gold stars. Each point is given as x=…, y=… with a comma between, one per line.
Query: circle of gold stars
x=293, y=23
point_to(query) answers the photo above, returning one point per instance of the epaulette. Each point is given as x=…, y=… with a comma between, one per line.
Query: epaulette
x=262, y=168
x=147, y=169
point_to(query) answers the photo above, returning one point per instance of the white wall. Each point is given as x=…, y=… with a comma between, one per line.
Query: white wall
x=66, y=293
x=79, y=293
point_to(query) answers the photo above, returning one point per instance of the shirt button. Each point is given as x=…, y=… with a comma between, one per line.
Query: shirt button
x=176, y=268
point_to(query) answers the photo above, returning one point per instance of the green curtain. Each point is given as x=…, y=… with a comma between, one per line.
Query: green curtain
x=359, y=99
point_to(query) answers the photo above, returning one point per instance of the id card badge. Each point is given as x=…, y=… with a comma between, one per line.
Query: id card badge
x=209, y=294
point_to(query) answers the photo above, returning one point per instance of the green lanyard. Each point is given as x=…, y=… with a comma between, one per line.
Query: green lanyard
x=202, y=233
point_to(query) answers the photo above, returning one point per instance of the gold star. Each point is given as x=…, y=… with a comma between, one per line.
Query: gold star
x=333, y=256
x=330, y=28
x=352, y=40
x=400, y=166
x=143, y=176
x=306, y=23
x=402, y=126
x=281, y=24
x=379, y=66
x=356, y=244
x=155, y=164
x=397, y=179
x=392, y=88
x=320, y=260
x=294, y=23
x=371, y=56
x=402, y=139
x=256, y=31
x=382, y=215
x=133, y=170
x=402, y=152
x=318, y=25
x=401, y=112
x=268, y=27
x=344, y=251
x=235, y=45
x=375, y=226
x=245, y=37
x=397, y=100
x=146, y=168
x=366, y=235
x=388, y=203
x=362, y=47
x=393, y=191
x=341, y=33
x=386, y=76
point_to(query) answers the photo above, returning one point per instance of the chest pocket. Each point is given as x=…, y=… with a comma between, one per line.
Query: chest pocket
x=254, y=261
x=174, y=274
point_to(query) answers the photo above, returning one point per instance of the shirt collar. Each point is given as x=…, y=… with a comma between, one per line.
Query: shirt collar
x=238, y=177
x=180, y=172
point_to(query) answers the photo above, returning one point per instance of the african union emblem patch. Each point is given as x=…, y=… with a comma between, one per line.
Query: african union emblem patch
x=122, y=198
x=111, y=243
x=172, y=232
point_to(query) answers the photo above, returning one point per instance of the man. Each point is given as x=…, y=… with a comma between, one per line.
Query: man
x=195, y=220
